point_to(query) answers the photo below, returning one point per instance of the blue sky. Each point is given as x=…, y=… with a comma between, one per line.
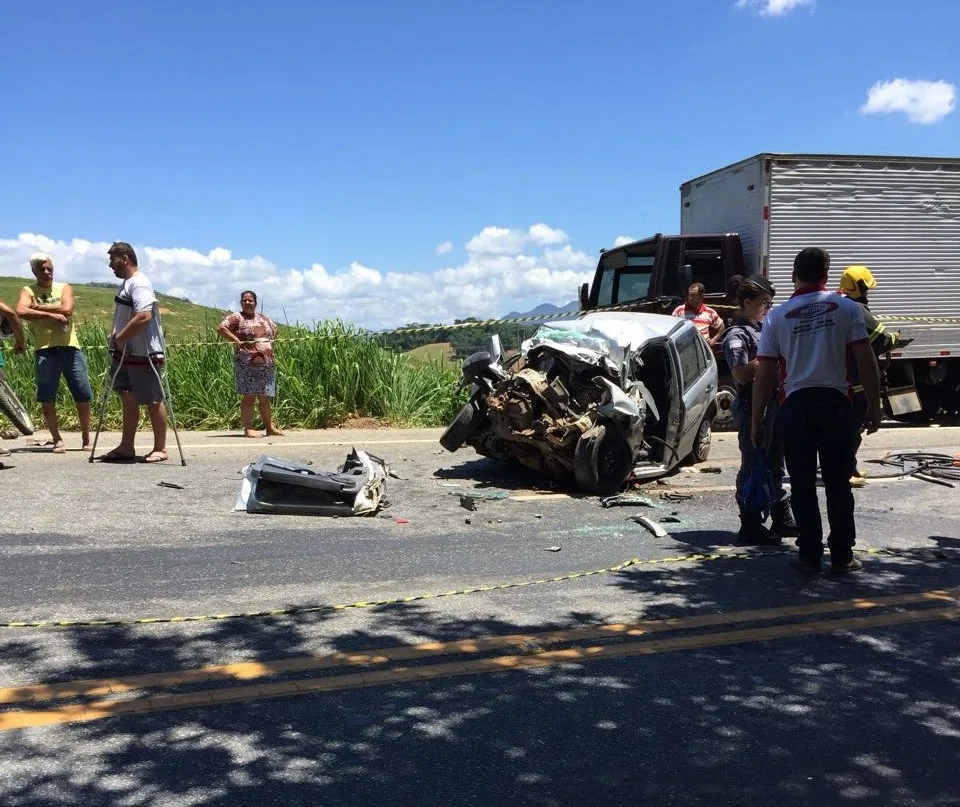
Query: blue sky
x=359, y=137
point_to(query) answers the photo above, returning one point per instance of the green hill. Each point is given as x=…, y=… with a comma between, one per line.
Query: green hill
x=182, y=320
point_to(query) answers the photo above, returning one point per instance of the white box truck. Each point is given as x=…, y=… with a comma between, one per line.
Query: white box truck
x=900, y=216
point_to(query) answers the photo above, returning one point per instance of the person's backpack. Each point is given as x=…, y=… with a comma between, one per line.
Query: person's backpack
x=758, y=489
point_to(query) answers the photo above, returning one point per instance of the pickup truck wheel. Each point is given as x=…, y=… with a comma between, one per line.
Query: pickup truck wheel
x=723, y=418
x=466, y=422
x=701, y=446
x=602, y=461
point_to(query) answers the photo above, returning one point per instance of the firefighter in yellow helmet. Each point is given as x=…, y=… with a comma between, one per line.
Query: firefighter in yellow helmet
x=856, y=283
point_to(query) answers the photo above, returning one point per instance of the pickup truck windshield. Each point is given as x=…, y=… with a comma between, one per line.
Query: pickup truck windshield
x=625, y=276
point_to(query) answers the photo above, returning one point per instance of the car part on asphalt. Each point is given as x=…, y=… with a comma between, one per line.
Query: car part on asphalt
x=651, y=525
x=673, y=496
x=941, y=469
x=626, y=500
x=356, y=488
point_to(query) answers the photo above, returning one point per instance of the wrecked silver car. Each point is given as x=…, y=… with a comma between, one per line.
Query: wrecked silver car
x=601, y=399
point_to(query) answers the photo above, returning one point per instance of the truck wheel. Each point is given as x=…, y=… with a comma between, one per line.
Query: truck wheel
x=602, y=461
x=10, y=406
x=466, y=422
x=701, y=445
x=723, y=418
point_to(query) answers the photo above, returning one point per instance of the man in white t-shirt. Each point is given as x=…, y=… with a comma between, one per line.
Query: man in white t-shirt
x=810, y=336
x=136, y=342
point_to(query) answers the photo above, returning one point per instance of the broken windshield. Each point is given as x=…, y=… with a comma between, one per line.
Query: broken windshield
x=625, y=275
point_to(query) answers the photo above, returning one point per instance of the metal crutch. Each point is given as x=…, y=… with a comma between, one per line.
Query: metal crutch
x=164, y=383
x=104, y=398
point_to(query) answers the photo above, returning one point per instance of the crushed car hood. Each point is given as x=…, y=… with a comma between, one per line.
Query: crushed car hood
x=603, y=336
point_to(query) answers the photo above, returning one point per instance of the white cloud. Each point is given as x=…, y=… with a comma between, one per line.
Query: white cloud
x=620, y=240
x=544, y=236
x=773, y=8
x=505, y=269
x=444, y=248
x=504, y=241
x=921, y=101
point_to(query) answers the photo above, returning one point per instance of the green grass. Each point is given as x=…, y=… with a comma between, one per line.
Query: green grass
x=182, y=320
x=434, y=352
x=325, y=376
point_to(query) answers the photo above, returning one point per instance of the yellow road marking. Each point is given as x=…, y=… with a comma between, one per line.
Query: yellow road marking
x=248, y=670
x=157, y=703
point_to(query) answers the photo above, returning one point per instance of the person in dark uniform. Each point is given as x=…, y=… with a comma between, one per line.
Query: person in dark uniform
x=855, y=282
x=740, y=342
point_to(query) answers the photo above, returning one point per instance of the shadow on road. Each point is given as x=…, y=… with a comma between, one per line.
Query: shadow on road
x=861, y=718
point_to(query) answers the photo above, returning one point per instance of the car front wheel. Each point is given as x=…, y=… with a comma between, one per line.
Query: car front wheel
x=466, y=422
x=602, y=460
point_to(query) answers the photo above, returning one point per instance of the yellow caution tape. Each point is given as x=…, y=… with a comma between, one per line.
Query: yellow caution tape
x=488, y=323
x=325, y=609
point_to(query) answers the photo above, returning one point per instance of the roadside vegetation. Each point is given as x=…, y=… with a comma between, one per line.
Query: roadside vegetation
x=326, y=376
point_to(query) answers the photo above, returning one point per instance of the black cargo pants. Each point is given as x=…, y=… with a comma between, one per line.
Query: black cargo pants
x=818, y=422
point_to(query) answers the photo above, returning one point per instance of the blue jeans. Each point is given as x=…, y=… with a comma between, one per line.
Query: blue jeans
x=51, y=363
x=818, y=422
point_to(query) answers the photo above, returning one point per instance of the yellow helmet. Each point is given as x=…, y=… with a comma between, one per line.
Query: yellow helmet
x=856, y=281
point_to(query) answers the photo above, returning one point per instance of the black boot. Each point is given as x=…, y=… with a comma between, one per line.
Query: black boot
x=783, y=523
x=753, y=532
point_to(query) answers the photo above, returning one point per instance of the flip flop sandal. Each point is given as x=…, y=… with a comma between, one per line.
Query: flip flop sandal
x=156, y=456
x=114, y=457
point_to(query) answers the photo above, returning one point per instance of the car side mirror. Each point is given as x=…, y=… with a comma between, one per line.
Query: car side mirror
x=584, y=297
x=686, y=277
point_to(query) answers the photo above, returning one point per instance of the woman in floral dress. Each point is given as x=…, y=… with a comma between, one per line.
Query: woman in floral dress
x=254, y=365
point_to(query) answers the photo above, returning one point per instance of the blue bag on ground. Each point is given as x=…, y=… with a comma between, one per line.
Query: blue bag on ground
x=758, y=489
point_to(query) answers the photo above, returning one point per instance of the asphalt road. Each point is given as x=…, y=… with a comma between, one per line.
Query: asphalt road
x=700, y=673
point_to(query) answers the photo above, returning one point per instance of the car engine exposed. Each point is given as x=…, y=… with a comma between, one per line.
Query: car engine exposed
x=540, y=412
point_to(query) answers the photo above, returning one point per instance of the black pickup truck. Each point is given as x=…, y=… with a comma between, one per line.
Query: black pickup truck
x=653, y=275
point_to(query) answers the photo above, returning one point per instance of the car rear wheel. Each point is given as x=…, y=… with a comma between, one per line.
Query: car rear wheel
x=602, y=461
x=701, y=445
x=466, y=422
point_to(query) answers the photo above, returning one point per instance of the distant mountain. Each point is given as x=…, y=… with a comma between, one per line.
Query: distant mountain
x=546, y=310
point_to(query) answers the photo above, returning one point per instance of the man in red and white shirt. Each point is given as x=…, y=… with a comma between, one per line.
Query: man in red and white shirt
x=707, y=320
x=811, y=334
